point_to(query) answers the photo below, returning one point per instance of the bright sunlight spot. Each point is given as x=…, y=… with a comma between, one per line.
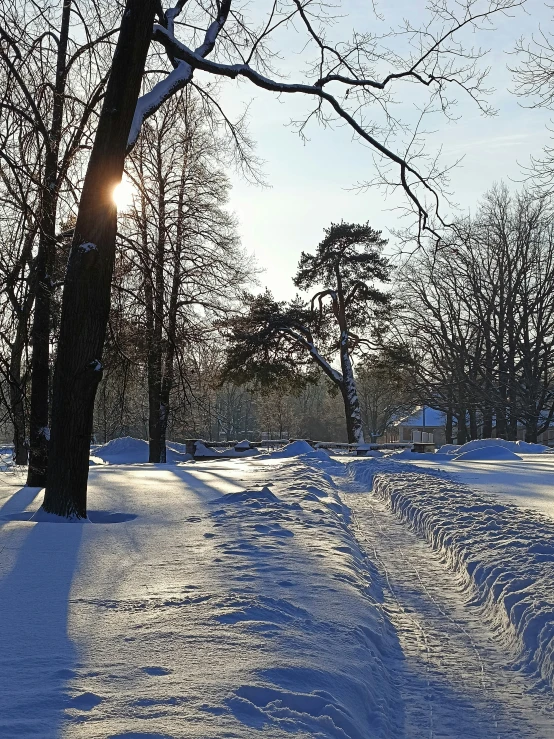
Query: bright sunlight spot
x=123, y=194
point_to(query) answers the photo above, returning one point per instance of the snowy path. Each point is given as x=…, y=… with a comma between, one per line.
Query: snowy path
x=456, y=681
x=237, y=599
x=213, y=608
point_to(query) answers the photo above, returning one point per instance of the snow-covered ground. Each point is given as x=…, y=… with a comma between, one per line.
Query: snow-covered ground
x=457, y=679
x=527, y=481
x=503, y=554
x=240, y=598
x=224, y=599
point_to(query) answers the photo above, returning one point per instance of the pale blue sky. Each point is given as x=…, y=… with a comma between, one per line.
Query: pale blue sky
x=309, y=182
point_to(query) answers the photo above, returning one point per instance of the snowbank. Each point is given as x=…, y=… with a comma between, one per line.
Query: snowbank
x=127, y=450
x=517, y=447
x=489, y=453
x=293, y=450
x=449, y=449
x=505, y=554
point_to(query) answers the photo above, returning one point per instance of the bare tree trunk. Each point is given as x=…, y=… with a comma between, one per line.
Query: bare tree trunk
x=86, y=297
x=473, y=430
x=461, y=436
x=157, y=419
x=40, y=331
x=448, y=427
x=17, y=398
x=531, y=432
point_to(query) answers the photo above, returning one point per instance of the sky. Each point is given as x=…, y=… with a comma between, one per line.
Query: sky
x=310, y=184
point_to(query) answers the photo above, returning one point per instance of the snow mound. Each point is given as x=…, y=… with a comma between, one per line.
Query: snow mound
x=127, y=450
x=491, y=452
x=248, y=496
x=517, y=447
x=504, y=554
x=295, y=449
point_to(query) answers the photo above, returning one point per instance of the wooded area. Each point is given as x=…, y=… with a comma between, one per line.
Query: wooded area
x=156, y=322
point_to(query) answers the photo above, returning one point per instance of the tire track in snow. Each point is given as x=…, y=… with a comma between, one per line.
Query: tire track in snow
x=461, y=671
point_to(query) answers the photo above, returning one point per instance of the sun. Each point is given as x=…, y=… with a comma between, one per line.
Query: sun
x=123, y=194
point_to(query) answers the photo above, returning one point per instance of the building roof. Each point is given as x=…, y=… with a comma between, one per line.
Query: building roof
x=432, y=418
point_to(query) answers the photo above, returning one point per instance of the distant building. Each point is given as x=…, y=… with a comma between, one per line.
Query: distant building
x=424, y=419
x=428, y=420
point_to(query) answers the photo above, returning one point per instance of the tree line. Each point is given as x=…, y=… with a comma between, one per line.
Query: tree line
x=89, y=87
x=477, y=317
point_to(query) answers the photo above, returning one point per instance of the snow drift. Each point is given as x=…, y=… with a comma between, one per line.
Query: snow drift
x=491, y=452
x=236, y=604
x=517, y=447
x=294, y=449
x=505, y=554
x=127, y=450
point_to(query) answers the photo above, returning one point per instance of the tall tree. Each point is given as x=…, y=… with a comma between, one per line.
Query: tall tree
x=480, y=316
x=54, y=73
x=181, y=242
x=86, y=296
x=273, y=340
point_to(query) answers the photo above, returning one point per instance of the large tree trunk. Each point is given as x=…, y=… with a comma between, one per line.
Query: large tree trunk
x=86, y=297
x=353, y=413
x=448, y=427
x=157, y=418
x=532, y=432
x=461, y=437
x=40, y=331
x=17, y=398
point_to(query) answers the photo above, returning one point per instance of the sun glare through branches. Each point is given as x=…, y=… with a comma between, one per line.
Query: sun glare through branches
x=123, y=194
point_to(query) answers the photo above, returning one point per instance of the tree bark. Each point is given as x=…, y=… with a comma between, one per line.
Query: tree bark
x=86, y=297
x=353, y=413
x=461, y=436
x=157, y=418
x=473, y=428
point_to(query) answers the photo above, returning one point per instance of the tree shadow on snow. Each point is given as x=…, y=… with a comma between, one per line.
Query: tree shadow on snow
x=37, y=657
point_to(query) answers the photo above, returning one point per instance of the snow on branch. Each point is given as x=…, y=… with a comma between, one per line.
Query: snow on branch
x=435, y=60
x=232, y=71
x=310, y=346
x=182, y=73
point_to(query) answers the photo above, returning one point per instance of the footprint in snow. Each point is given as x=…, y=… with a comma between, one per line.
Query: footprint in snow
x=156, y=670
x=86, y=701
